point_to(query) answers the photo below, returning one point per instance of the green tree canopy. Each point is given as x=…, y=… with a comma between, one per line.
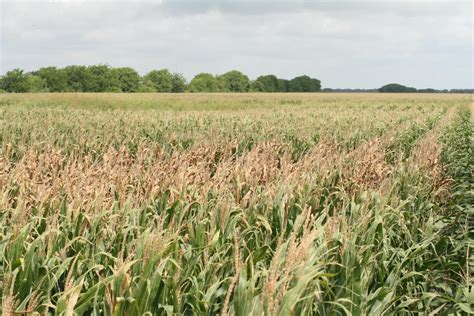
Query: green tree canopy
x=256, y=86
x=35, y=83
x=178, y=83
x=146, y=86
x=234, y=81
x=395, y=87
x=103, y=79
x=204, y=82
x=304, y=84
x=78, y=78
x=14, y=81
x=269, y=83
x=283, y=85
x=56, y=79
x=128, y=79
x=161, y=80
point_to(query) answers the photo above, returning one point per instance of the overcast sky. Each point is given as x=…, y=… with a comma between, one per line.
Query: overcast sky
x=345, y=44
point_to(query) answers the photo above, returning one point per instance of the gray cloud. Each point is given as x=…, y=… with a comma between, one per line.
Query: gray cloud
x=343, y=43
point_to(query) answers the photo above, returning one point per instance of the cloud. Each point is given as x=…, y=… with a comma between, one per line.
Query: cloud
x=343, y=43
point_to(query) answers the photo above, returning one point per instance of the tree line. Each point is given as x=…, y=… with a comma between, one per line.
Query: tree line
x=398, y=88
x=103, y=78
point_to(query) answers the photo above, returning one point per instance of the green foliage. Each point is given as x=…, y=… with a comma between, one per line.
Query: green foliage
x=178, y=83
x=458, y=223
x=204, y=82
x=459, y=152
x=268, y=83
x=56, y=79
x=234, y=81
x=256, y=86
x=128, y=79
x=14, y=81
x=36, y=84
x=304, y=84
x=79, y=78
x=103, y=79
x=395, y=87
x=284, y=85
x=147, y=86
x=162, y=80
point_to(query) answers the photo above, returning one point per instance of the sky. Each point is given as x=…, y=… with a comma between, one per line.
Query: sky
x=345, y=44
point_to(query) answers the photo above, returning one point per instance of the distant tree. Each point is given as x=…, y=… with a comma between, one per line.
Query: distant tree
x=79, y=78
x=458, y=91
x=178, y=83
x=395, y=87
x=256, y=86
x=103, y=79
x=427, y=90
x=203, y=82
x=234, y=81
x=346, y=90
x=56, y=79
x=283, y=85
x=304, y=84
x=35, y=83
x=269, y=83
x=14, y=81
x=128, y=79
x=146, y=86
x=162, y=80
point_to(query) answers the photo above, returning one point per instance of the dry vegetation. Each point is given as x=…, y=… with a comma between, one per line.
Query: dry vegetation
x=252, y=204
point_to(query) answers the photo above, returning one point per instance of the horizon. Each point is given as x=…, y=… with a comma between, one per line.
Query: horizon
x=323, y=88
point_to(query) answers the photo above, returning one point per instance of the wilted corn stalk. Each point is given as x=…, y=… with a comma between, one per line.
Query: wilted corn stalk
x=275, y=205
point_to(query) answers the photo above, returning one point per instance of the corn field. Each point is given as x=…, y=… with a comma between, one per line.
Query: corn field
x=236, y=204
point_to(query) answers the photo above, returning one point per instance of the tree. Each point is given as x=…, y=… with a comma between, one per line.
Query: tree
x=146, y=86
x=283, y=85
x=204, y=82
x=427, y=90
x=35, y=83
x=269, y=83
x=79, y=78
x=103, y=79
x=395, y=87
x=56, y=79
x=162, y=80
x=178, y=83
x=257, y=86
x=304, y=84
x=14, y=81
x=128, y=79
x=234, y=81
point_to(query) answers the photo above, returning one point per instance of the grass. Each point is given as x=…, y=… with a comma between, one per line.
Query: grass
x=236, y=204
